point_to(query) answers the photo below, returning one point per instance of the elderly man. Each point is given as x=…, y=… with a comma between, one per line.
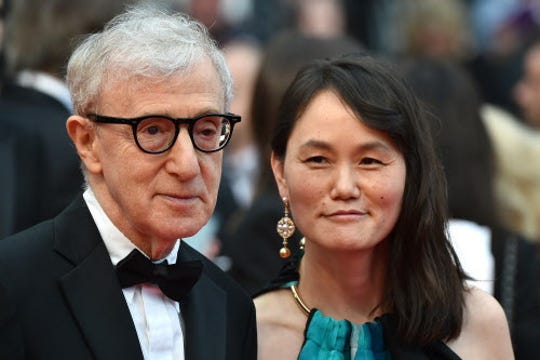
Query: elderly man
x=109, y=278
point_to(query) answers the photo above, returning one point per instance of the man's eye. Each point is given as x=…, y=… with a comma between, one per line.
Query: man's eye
x=152, y=130
x=155, y=126
x=207, y=132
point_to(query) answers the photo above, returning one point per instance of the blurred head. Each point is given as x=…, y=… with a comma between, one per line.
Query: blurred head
x=243, y=58
x=352, y=123
x=527, y=90
x=321, y=18
x=40, y=35
x=148, y=62
x=437, y=28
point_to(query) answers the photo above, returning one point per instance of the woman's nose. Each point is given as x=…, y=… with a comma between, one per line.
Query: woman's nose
x=346, y=183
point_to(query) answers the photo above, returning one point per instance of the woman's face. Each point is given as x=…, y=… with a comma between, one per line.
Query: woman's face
x=344, y=181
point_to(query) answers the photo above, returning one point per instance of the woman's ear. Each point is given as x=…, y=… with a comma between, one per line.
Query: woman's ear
x=278, y=169
x=83, y=134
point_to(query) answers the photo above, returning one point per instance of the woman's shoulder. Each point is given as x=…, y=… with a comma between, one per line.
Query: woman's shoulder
x=267, y=301
x=485, y=333
x=277, y=307
x=280, y=325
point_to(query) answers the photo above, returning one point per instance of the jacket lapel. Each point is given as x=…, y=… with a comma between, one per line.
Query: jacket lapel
x=204, y=313
x=91, y=289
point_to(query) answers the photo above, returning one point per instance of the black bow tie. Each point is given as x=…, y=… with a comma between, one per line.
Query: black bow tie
x=174, y=280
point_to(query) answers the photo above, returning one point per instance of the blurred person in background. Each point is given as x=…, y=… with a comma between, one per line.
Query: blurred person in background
x=17, y=152
x=210, y=14
x=517, y=145
x=499, y=261
x=3, y=11
x=321, y=18
x=241, y=160
x=447, y=29
x=489, y=46
x=243, y=57
x=434, y=28
x=504, y=31
x=527, y=90
x=39, y=36
x=228, y=19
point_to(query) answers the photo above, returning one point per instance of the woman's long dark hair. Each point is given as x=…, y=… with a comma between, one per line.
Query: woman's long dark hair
x=425, y=283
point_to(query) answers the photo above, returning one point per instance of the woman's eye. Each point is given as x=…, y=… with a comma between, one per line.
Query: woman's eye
x=370, y=161
x=316, y=159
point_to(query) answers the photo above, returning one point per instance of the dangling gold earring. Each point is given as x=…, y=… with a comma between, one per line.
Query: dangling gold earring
x=285, y=228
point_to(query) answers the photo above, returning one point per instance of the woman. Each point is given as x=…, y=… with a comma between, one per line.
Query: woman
x=354, y=162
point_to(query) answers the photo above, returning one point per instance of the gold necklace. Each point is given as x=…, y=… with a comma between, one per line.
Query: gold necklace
x=299, y=301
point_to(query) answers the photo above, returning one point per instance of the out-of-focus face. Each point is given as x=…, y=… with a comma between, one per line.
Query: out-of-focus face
x=527, y=90
x=155, y=198
x=243, y=60
x=344, y=181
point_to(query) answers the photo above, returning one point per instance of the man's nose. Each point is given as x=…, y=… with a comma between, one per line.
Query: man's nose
x=183, y=158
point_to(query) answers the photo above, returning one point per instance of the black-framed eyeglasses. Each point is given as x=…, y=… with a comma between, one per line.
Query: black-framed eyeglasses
x=155, y=134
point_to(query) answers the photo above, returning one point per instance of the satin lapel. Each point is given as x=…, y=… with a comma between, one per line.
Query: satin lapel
x=92, y=290
x=204, y=313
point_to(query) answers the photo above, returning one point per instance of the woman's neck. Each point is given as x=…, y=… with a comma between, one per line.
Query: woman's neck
x=343, y=284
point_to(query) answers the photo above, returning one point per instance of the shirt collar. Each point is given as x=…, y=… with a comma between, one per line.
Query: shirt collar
x=117, y=244
x=47, y=84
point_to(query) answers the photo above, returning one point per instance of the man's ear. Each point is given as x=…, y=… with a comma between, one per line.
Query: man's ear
x=83, y=134
x=278, y=169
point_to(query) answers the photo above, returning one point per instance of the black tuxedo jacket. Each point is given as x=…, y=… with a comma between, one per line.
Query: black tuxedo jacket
x=60, y=299
x=51, y=170
x=17, y=177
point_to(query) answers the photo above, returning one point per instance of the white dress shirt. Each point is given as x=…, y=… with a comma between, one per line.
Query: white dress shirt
x=157, y=318
x=472, y=243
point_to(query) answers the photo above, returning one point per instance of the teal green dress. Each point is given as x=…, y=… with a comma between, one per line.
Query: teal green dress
x=330, y=339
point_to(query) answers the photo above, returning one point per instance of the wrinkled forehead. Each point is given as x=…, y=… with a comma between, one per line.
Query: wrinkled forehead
x=201, y=76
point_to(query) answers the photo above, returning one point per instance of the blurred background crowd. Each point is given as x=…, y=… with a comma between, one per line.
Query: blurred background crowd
x=474, y=63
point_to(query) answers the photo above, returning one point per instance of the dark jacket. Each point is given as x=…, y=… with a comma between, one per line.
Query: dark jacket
x=517, y=288
x=60, y=299
x=47, y=174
